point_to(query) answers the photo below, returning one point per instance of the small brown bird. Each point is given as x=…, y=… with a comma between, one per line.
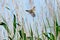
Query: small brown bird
x=31, y=11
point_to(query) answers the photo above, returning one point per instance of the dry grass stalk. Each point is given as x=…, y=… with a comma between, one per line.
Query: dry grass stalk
x=58, y=9
x=31, y=3
x=51, y=10
x=16, y=9
x=3, y=4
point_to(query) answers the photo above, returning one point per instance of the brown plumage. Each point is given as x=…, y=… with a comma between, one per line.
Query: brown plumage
x=31, y=11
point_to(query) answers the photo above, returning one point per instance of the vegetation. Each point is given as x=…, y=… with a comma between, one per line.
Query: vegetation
x=21, y=32
x=50, y=36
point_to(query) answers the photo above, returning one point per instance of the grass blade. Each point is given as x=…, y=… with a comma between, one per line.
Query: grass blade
x=14, y=24
x=52, y=36
x=47, y=36
x=20, y=32
x=7, y=8
x=5, y=26
x=31, y=34
x=10, y=38
x=24, y=36
x=56, y=28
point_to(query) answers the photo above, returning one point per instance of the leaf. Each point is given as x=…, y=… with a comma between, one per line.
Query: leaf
x=59, y=28
x=39, y=39
x=52, y=36
x=31, y=34
x=20, y=32
x=48, y=22
x=37, y=33
x=56, y=31
x=14, y=24
x=10, y=38
x=5, y=26
x=46, y=35
x=24, y=36
x=56, y=28
x=56, y=23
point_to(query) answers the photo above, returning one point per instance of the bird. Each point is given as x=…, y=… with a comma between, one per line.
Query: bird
x=31, y=11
